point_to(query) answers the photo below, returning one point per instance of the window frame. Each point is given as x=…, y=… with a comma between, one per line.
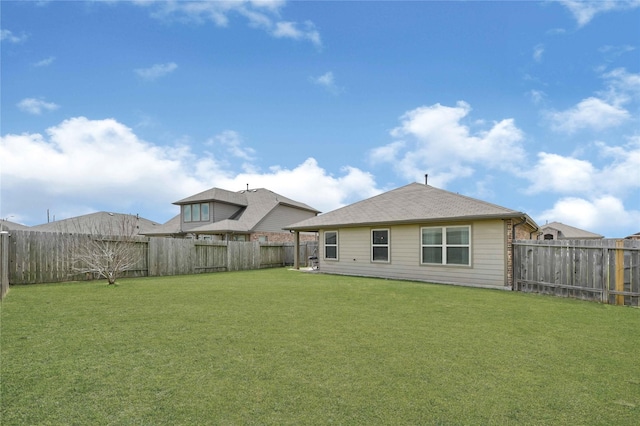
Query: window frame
x=189, y=212
x=444, y=245
x=375, y=245
x=186, y=213
x=325, y=245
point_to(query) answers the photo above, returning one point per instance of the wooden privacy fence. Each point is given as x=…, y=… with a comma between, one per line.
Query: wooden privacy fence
x=606, y=270
x=41, y=257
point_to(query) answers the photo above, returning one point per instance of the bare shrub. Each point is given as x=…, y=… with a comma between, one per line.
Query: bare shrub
x=107, y=246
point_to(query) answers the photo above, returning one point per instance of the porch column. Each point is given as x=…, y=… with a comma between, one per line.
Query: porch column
x=296, y=250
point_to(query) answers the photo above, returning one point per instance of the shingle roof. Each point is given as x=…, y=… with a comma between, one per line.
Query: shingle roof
x=7, y=225
x=96, y=222
x=171, y=227
x=566, y=231
x=409, y=204
x=216, y=194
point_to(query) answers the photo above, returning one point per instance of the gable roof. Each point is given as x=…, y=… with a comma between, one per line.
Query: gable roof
x=410, y=204
x=254, y=205
x=569, y=232
x=96, y=222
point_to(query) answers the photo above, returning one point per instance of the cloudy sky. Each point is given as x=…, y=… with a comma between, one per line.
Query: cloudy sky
x=130, y=106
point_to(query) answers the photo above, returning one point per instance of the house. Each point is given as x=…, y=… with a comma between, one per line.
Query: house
x=418, y=232
x=560, y=231
x=248, y=215
x=635, y=236
x=105, y=223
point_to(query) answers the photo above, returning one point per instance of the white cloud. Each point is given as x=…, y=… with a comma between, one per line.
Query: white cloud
x=293, y=30
x=435, y=141
x=36, y=106
x=262, y=14
x=623, y=173
x=156, y=71
x=605, y=212
x=556, y=173
x=568, y=175
x=311, y=184
x=6, y=35
x=538, y=51
x=622, y=86
x=585, y=11
x=591, y=113
x=383, y=154
x=81, y=164
x=611, y=53
x=232, y=142
x=45, y=62
x=327, y=81
x=537, y=96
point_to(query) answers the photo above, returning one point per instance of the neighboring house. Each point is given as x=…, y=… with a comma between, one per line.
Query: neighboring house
x=6, y=225
x=418, y=232
x=635, y=236
x=105, y=223
x=248, y=215
x=560, y=231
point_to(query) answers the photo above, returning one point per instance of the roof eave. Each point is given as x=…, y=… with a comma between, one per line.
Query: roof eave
x=504, y=216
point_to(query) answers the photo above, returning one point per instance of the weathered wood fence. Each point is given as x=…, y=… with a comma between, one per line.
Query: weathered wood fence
x=4, y=263
x=42, y=257
x=606, y=270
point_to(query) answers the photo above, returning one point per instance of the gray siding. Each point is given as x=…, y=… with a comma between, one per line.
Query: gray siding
x=280, y=217
x=222, y=211
x=488, y=254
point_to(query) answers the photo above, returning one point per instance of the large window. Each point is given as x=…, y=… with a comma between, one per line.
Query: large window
x=195, y=212
x=380, y=245
x=446, y=245
x=331, y=245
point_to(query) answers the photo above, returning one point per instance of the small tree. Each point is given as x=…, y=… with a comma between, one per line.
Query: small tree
x=109, y=248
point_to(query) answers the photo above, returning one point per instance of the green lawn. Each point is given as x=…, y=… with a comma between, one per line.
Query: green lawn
x=286, y=347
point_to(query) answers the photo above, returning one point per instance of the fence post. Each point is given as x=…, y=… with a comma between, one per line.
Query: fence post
x=4, y=263
x=619, y=271
x=605, y=275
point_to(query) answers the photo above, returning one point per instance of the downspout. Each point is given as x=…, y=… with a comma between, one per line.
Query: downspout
x=513, y=251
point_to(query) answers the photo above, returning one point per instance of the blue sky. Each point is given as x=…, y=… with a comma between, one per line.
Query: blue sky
x=130, y=106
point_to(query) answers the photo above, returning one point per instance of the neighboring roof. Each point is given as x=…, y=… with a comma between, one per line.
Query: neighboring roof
x=569, y=232
x=171, y=227
x=217, y=194
x=7, y=225
x=99, y=222
x=255, y=205
x=410, y=204
x=635, y=236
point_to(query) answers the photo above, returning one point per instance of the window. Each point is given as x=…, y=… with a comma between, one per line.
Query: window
x=380, y=245
x=446, y=245
x=195, y=212
x=331, y=245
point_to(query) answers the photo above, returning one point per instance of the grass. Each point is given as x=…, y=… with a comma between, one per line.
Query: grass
x=284, y=347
